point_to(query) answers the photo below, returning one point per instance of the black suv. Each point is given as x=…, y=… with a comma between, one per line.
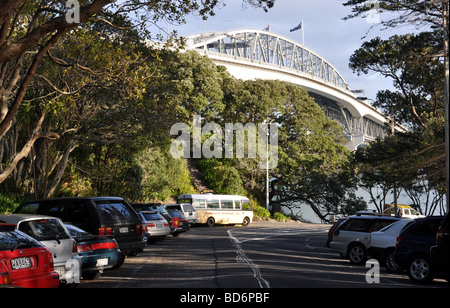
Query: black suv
x=104, y=216
x=412, y=251
x=440, y=252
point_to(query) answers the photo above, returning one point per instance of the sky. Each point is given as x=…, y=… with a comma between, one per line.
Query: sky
x=325, y=32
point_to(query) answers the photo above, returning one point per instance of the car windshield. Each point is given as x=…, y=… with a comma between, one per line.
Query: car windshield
x=152, y=216
x=75, y=231
x=115, y=212
x=44, y=229
x=12, y=240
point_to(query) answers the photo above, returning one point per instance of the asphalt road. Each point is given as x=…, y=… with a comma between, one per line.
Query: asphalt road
x=261, y=255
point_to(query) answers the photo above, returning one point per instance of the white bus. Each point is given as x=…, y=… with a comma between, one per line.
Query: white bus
x=220, y=209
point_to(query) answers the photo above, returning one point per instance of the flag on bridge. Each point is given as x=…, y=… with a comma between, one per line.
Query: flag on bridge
x=297, y=28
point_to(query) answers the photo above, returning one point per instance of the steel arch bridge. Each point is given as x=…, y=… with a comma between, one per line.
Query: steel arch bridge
x=257, y=54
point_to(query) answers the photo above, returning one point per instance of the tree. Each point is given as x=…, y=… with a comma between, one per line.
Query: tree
x=408, y=61
x=29, y=29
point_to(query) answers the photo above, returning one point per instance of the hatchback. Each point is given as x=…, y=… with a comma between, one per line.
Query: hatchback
x=24, y=262
x=97, y=253
x=102, y=216
x=413, y=248
x=351, y=238
x=52, y=233
x=155, y=226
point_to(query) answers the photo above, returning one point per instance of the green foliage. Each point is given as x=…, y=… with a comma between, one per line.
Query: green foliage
x=280, y=217
x=222, y=177
x=9, y=202
x=261, y=212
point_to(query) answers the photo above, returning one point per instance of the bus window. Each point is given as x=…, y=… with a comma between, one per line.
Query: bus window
x=226, y=204
x=246, y=205
x=237, y=204
x=199, y=203
x=213, y=204
x=185, y=200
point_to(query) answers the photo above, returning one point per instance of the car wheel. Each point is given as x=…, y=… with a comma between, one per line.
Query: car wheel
x=389, y=263
x=210, y=222
x=246, y=221
x=357, y=254
x=420, y=270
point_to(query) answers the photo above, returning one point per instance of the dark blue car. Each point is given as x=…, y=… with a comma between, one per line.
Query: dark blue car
x=413, y=248
x=97, y=252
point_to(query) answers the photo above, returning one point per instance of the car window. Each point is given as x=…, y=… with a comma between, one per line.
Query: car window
x=357, y=225
x=28, y=208
x=75, y=231
x=188, y=208
x=44, y=229
x=77, y=211
x=15, y=239
x=152, y=216
x=380, y=224
x=114, y=212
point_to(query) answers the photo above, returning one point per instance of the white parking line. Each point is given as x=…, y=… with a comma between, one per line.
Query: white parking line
x=242, y=257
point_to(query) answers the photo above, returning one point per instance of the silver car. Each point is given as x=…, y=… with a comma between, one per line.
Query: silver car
x=351, y=239
x=155, y=226
x=52, y=233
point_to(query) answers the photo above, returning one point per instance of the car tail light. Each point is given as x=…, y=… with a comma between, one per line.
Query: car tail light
x=84, y=248
x=151, y=225
x=139, y=229
x=104, y=231
x=166, y=224
x=5, y=278
x=96, y=246
x=74, y=247
x=397, y=241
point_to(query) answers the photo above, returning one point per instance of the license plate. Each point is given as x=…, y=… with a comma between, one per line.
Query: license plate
x=20, y=263
x=123, y=230
x=102, y=262
x=61, y=270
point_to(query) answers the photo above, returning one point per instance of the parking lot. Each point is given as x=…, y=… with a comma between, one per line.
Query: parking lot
x=262, y=255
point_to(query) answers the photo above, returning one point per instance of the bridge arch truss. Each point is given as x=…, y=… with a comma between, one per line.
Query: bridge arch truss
x=250, y=54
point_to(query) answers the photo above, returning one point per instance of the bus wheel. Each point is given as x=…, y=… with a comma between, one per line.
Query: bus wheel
x=210, y=222
x=246, y=221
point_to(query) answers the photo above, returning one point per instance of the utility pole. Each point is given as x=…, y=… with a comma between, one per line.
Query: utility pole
x=445, y=23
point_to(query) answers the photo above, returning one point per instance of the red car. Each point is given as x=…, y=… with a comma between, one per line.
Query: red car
x=24, y=262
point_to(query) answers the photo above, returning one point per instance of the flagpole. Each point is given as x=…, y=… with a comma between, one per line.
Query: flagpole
x=303, y=33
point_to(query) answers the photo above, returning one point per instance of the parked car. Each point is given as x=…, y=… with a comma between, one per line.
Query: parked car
x=187, y=209
x=351, y=238
x=382, y=244
x=155, y=226
x=25, y=262
x=440, y=252
x=97, y=253
x=52, y=233
x=413, y=248
x=104, y=216
x=332, y=229
x=179, y=222
x=157, y=207
x=404, y=211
